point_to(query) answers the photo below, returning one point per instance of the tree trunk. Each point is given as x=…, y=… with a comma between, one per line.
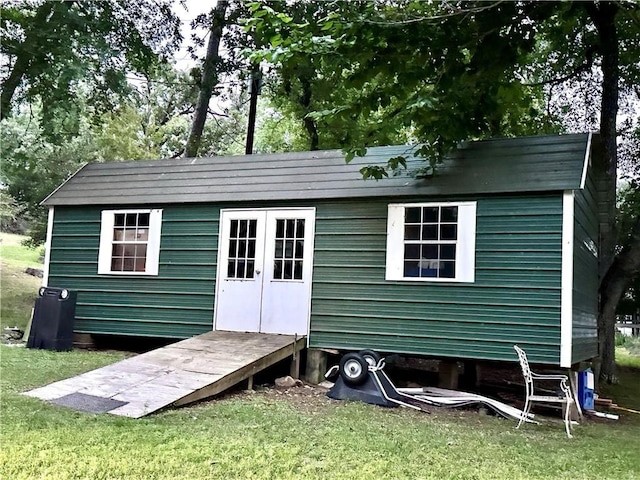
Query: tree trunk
x=309, y=123
x=23, y=55
x=208, y=80
x=603, y=15
x=612, y=288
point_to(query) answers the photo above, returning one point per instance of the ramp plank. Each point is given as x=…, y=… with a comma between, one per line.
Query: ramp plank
x=178, y=374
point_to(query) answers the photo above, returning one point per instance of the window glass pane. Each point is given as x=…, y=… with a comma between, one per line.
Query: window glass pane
x=250, y=269
x=430, y=214
x=277, y=270
x=429, y=268
x=447, y=269
x=130, y=234
x=412, y=232
x=131, y=220
x=252, y=249
x=233, y=248
x=449, y=214
x=412, y=251
x=141, y=251
x=118, y=220
x=231, y=269
x=430, y=232
x=300, y=228
x=448, y=232
x=279, y=249
x=117, y=251
x=412, y=215
x=242, y=248
x=291, y=224
x=430, y=251
x=243, y=228
x=288, y=270
x=129, y=249
x=411, y=269
x=118, y=234
x=143, y=219
x=297, y=270
x=280, y=228
x=448, y=252
x=234, y=229
x=299, y=249
x=288, y=249
x=140, y=264
x=252, y=228
x=142, y=235
x=128, y=264
x=116, y=264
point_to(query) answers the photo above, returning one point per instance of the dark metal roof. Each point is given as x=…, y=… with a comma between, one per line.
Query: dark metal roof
x=525, y=164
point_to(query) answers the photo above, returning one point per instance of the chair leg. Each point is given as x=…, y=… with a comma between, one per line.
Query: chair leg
x=525, y=412
x=567, y=419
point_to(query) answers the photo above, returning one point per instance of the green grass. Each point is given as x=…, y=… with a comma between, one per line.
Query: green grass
x=17, y=289
x=266, y=436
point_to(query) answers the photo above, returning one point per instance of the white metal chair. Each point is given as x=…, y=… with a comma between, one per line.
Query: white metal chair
x=565, y=398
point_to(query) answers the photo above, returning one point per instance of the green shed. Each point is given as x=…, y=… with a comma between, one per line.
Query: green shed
x=499, y=247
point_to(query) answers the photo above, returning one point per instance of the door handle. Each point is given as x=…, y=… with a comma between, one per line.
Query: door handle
x=257, y=272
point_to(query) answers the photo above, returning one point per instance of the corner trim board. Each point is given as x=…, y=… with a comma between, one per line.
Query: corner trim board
x=566, y=297
x=47, y=249
x=587, y=160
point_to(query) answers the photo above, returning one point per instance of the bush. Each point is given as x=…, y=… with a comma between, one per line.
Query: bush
x=621, y=339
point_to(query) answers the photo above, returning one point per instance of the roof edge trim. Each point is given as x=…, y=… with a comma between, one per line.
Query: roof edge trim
x=45, y=201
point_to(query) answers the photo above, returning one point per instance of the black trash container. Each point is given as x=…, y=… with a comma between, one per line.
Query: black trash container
x=53, y=317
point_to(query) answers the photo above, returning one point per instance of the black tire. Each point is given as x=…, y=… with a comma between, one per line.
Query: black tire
x=354, y=369
x=370, y=356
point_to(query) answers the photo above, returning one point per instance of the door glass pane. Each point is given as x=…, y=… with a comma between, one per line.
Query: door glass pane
x=288, y=270
x=289, y=245
x=242, y=248
x=277, y=270
x=297, y=270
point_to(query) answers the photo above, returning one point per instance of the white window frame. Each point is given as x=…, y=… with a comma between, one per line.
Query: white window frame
x=465, y=243
x=106, y=242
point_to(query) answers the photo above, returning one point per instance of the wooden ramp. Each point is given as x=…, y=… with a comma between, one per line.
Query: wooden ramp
x=177, y=374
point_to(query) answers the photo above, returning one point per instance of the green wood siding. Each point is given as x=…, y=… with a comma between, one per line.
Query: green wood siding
x=177, y=303
x=515, y=298
x=585, y=274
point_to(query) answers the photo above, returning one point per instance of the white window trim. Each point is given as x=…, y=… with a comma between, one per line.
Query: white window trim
x=466, y=243
x=106, y=242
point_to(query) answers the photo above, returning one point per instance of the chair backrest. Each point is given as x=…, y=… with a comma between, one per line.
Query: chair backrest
x=524, y=364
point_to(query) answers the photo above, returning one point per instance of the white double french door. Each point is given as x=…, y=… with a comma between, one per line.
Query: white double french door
x=265, y=261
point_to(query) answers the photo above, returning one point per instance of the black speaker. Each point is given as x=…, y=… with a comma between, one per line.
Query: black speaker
x=53, y=318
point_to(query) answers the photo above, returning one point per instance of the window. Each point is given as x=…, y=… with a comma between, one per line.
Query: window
x=431, y=242
x=289, y=249
x=129, y=242
x=242, y=249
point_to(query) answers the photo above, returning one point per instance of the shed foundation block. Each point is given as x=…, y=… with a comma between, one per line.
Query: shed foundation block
x=316, y=366
x=448, y=375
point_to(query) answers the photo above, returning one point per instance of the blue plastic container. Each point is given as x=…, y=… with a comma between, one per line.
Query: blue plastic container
x=585, y=389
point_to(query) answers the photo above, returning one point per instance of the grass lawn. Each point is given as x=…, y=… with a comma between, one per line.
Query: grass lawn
x=274, y=434
x=18, y=290
x=286, y=435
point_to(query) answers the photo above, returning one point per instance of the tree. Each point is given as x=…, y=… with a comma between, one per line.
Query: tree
x=467, y=70
x=208, y=77
x=55, y=49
